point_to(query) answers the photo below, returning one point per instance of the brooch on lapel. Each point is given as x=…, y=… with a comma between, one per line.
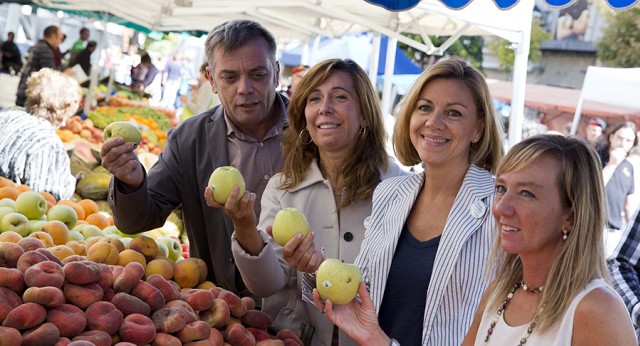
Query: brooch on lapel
x=477, y=209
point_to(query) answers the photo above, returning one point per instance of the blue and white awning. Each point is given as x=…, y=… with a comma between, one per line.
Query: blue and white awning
x=403, y=5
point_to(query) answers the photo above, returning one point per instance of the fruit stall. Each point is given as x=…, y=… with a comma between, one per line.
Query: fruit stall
x=68, y=276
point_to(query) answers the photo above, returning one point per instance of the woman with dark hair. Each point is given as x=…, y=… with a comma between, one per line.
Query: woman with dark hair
x=618, y=175
x=142, y=75
x=334, y=157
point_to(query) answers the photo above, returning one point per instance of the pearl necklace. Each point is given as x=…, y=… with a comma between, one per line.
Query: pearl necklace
x=503, y=306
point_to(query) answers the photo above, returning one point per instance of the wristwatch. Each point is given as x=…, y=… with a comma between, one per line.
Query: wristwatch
x=394, y=342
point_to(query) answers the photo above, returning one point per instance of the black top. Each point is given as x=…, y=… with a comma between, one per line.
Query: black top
x=402, y=310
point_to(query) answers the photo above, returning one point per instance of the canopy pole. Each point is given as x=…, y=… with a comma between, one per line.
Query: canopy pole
x=374, y=59
x=519, y=82
x=390, y=63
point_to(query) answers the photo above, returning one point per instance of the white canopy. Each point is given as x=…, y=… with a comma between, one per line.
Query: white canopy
x=614, y=86
x=303, y=19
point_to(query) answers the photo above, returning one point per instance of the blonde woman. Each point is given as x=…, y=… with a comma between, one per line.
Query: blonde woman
x=552, y=284
x=31, y=152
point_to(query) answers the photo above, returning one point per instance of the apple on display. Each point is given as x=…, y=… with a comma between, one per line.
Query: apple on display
x=15, y=222
x=63, y=213
x=31, y=204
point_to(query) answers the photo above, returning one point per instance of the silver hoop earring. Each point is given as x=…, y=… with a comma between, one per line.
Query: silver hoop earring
x=302, y=140
x=565, y=234
x=474, y=141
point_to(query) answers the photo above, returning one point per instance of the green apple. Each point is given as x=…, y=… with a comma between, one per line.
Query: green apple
x=7, y=202
x=36, y=225
x=162, y=247
x=31, y=204
x=173, y=246
x=222, y=181
x=123, y=129
x=125, y=235
x=15, y=222
x=338, y=281
x=6, y=210
x=287, y=223
x=75, y=235
x=63, y=213
x=89, y=231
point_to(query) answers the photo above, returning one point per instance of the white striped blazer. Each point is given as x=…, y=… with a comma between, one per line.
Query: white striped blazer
x=458, y=279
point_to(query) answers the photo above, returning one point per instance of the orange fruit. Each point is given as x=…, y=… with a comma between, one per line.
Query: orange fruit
x=48, y=197
x=79, y=210
x=9, y=192
x=6, y=182
x=98, y=219
x=89, y=206
x=23, y=188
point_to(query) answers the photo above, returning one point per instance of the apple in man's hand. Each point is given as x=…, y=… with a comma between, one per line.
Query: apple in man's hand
x=287, y=223
x=123, y=129
x=222, y=181
x=338, y=281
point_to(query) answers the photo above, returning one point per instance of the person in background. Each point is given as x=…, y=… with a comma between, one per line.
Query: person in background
x=595, y=129
x=203, y=97
x=171, y=80
x=334, y=157
x=58, y=55
x=31, y=152
x=429, y=234
x=41, y=55
x=619, y=180
x=624, y=264
x=11, y=57
x=551, y=281
x=243, y=131
x=296, y=75
x=143, y=74
x=84, y=57
x=79, y=44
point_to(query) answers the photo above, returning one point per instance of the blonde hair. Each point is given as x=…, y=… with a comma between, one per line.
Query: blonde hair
x=488, y=151
x=581, y=258
x=361, y=171
x=52, y=95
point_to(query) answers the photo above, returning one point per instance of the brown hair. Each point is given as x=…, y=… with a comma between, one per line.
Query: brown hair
x=361, y=171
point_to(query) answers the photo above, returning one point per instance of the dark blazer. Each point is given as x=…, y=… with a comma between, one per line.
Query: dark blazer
x=193, y=150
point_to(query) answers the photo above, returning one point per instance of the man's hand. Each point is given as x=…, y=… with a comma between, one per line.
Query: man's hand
x=243, y=217
x=119, y=159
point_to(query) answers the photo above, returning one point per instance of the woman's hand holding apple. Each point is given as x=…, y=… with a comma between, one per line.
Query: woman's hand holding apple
x=301, y=254
x=357, y=319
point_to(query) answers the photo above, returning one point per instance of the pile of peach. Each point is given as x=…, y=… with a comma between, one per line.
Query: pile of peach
x=47, y=301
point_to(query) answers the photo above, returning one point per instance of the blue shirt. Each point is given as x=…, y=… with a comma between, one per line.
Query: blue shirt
x=402, y=310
